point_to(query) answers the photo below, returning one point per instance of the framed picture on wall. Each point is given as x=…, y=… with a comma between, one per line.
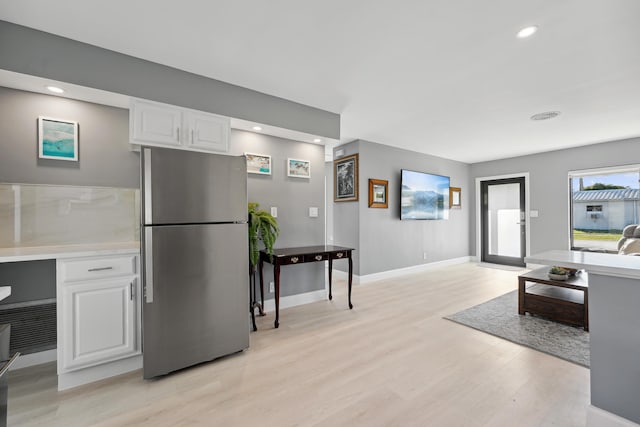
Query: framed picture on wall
x=299, y=168
x=345, y=179
x=378, y=196
x=57, y=139
x=258, y=163
x=455, y=201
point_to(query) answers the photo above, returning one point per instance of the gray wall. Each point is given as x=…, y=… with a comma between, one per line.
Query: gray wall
x=382, y=241
x=29, y=281
x=346, y=215
x=549, y=185
x=105, y=158
x=37, y=53
x=293, y=197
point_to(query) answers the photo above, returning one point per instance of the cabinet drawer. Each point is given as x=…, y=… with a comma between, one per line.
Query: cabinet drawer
x=98, y=268
x=316, y=257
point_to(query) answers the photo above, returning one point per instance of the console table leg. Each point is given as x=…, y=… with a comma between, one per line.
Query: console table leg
x=350, y=280
x=276, y=277
x=260, y=307
x=330, y=274
x=252, y=299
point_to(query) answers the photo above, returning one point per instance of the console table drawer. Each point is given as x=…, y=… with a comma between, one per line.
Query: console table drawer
x=293, y=259
x=340, y=255
x=316, y=257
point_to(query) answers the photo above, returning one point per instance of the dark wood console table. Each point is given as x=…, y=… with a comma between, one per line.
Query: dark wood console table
x=290, y=256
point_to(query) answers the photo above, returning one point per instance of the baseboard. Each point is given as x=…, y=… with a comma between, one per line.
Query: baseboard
x=368, y=278
x=298, y=299
x=26, y=360
x=95, y=373
x=597, y=417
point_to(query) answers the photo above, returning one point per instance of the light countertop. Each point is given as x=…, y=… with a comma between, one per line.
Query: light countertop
x=593, y=262
x=66, y=251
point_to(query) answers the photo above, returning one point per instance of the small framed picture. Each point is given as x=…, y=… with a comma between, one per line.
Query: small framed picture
x=258, y=163
x=57, y=139
x=345, y=179
x=299, y=168
x=455, y=201
x=378, y=193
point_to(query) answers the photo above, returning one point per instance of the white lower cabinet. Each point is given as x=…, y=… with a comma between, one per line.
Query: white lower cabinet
x=98, y=317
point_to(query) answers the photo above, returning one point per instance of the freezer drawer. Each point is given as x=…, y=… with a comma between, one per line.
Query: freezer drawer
x=196, y=303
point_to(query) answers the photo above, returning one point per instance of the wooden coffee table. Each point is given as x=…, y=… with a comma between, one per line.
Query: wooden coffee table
x=562, y=301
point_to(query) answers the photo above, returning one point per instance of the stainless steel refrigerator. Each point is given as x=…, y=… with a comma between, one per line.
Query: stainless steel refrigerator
x=195, y=258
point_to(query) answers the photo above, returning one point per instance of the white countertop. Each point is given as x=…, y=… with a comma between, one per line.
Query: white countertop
x=593, y=262
x=66, y=251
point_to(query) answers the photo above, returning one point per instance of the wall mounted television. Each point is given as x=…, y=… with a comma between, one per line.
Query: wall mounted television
x=424, y=196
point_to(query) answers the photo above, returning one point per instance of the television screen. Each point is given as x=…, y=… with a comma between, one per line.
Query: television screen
x=424, y=196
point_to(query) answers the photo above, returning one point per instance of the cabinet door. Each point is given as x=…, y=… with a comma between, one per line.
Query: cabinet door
x=207, y=132
x=155, y=124
x=99, y=321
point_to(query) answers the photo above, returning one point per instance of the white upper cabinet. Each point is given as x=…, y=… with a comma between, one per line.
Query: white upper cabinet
x=156, y=124
x=208, y=132
x=164, y=125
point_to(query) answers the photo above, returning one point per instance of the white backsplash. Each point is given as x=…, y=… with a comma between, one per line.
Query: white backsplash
x=46, y=215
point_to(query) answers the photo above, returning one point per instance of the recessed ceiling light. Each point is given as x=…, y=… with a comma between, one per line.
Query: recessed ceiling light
x=257, y=128
x=527, y=32
x=545, y=116
x=317, y=140
x=55, y=89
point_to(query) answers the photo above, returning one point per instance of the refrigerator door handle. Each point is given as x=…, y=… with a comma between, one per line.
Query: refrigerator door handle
x=148, y=265
x=148, y=217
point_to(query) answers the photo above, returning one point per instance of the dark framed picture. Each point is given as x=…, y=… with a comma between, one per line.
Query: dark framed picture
x=378, y=193
x=57, y=139
x=455, y=198
x=345, y=179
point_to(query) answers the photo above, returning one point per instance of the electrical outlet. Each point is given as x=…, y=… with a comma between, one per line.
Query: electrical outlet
x=274, y=211
x=424, y=255
x=272, y=287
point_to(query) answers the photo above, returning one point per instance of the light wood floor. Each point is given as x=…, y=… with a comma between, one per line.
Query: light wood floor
x=391, y=361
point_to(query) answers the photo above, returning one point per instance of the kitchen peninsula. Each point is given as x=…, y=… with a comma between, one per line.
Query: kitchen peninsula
x=614, y=297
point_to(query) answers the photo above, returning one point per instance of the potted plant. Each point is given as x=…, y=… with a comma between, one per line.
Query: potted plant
x=262, y=226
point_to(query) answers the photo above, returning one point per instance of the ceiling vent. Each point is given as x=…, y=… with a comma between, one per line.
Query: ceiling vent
x=545, y=116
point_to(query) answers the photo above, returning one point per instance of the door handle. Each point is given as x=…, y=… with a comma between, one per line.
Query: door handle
x=100, y=269
x=148, y=265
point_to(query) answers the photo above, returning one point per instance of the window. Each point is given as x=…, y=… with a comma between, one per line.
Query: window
x=603, y=202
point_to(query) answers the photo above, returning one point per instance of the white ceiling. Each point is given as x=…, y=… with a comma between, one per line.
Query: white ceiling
x=443, y=77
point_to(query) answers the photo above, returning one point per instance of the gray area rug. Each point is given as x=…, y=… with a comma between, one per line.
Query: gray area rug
x=500, y=317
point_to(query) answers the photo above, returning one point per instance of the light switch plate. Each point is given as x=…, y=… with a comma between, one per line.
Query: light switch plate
x=274, y=211
x=533, y=214
x=313, y=212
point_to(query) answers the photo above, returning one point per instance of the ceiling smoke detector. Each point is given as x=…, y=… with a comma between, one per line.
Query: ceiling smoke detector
x=545, y=116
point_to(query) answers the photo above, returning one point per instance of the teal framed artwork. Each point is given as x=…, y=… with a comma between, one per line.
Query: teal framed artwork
x=57, y=139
